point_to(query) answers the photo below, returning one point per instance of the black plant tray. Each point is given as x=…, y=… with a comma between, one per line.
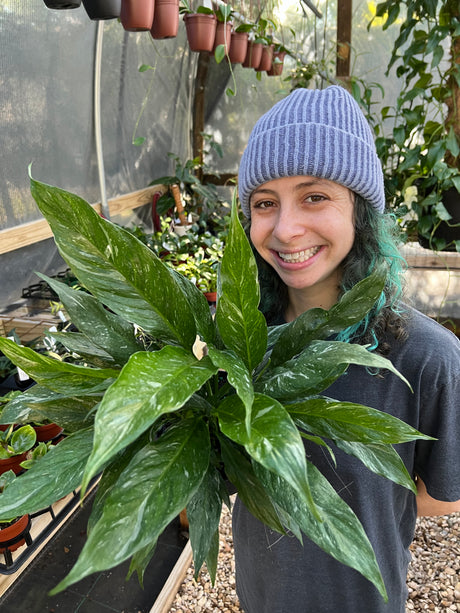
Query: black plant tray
x=42, y=290
x=14, y=560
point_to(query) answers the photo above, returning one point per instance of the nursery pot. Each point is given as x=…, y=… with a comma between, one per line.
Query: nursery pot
x=277, y=67
x=137, y=15
x=211, y=297
x=13, y=536
x=47, y=432
x=12, y=463
x=223, y=35
x=201, y=31
x=166, y=19
x=102, y=9
x=266, y=59
x=253, y=55
x=62, y=4
x=451, y=200
x=238, y=47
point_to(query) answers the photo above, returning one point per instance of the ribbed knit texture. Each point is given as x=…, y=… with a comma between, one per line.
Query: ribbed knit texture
x=319, y=133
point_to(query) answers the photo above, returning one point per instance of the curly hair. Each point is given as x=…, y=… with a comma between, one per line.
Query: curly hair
x=374, y=247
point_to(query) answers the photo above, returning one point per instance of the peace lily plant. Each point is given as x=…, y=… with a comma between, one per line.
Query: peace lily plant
x=164, y=429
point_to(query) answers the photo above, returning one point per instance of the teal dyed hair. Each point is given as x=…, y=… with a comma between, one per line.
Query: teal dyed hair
x=374, y=247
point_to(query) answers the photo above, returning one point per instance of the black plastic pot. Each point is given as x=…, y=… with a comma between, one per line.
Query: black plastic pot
x=62, y=4
x=99, y=10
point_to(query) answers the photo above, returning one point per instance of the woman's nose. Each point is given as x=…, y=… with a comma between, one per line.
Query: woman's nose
x=287, y=224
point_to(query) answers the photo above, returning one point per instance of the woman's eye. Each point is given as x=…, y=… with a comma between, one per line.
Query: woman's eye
x=315, y=198
x=262, y=204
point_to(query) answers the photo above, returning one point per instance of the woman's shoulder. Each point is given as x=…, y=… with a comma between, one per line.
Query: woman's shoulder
x=427, y=345
x=422, y=328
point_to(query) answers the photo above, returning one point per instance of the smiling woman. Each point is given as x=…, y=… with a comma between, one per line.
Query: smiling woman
x=303, y=227
x=311, y=186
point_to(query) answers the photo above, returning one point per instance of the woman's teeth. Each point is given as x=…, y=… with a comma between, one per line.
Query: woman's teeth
x=299, y=256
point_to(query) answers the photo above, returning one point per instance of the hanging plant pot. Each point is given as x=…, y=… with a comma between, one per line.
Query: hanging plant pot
x=277, y=65
x=223, y=35
x=15, y=534
x=137, y=15
x=166, y=19
x=47, y=432
x=446, y=230
x=266, y=59
x=238, y=47
x=12, y=463
x=253, y=55
x=99, y=10
x=201, y=31
x=62, y=4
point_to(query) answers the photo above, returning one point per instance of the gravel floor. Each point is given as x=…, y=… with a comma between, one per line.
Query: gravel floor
x=433, y=580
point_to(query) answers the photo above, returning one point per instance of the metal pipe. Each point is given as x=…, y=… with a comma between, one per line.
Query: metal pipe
x=97, y=119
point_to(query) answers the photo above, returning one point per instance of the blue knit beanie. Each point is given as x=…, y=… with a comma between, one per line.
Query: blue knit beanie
x=319, y=133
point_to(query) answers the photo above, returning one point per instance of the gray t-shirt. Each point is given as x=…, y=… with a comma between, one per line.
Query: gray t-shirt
x=276, y=574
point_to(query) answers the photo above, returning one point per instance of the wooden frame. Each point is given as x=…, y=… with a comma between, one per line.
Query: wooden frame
x=39, y=230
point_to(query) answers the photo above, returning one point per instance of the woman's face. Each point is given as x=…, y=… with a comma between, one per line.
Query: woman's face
x=303, y=227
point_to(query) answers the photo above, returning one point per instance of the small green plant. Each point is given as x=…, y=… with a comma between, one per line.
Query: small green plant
x=15, y=442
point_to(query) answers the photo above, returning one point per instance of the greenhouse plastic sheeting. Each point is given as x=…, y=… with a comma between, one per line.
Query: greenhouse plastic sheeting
x=46, y=116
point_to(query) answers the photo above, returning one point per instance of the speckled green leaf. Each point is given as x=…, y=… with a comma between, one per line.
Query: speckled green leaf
x=381, y=459
x=239, y=470
x=116, y=267
x=320, y=324
x=212, y=556
x=241, y=325
x=203, y=513
x=39, y=404
x=238, y=376
x=351, y=422
x=107, y=331
x=340, y=532
x=317, y=367
x=55, y=475
x=205, y=325
x=56, y=375
x=153, y=488
x=79, y=344
x=274, y=440
x=151, y=384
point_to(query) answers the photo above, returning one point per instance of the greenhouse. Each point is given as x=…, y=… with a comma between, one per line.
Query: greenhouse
x=184, y=338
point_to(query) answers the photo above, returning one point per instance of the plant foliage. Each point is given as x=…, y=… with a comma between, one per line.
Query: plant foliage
x=164, y=426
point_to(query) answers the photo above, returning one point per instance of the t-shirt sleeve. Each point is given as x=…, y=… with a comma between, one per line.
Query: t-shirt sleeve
x=438, y=462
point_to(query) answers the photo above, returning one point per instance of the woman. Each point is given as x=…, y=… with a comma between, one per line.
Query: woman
x=311, y=186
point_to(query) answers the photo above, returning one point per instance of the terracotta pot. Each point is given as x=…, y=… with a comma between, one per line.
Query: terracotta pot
x=62, y=4
x=137, y=15
x=166, y=19
x=15, y=535
x=211, y=297
x=238, y=47
x=266, y=59
x=12, y=463
x=47, y=432
x=277, y=67
x=99, y=10
x=253, y=55
x=201, y=31
x=223, y=35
